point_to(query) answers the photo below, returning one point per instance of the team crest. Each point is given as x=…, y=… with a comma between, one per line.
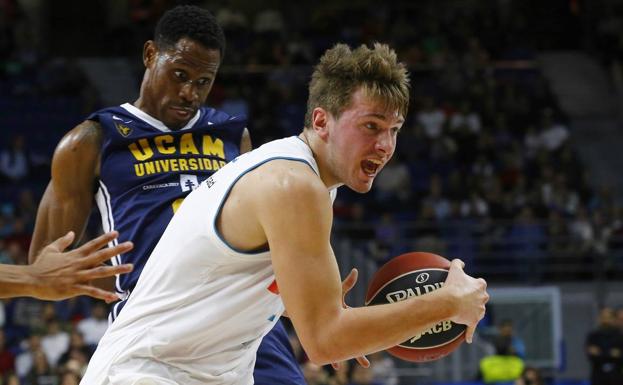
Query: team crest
x=123, y=130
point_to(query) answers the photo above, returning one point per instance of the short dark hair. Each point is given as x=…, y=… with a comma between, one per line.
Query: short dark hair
x=189, y=21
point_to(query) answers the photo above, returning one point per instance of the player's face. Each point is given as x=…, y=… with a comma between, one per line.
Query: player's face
x=178, y=80
x=361, y=141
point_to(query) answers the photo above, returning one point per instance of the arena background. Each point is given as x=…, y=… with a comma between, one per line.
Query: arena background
x=509, y=158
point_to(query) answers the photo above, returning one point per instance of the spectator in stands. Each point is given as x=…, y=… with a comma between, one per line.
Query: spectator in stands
x=388, y=234
x=7, y=358
x=437, y=199
x=5, y=257
x=553, y=134
x=507, y=342
x=76, y=359
x=41, y=373
x=501, y=368
x=315, y=374
x=431, y=118
x=14, y=161
x=94, y=327
x=530, y=376
x=55, y=342
x=604, y=348
x=70, y=378
x=341, y=376
x=531, y=142
x=383, y=368
x=78, y=353
x=393, y=185
x=465, y=120
x=582, y=232
x=25, y=360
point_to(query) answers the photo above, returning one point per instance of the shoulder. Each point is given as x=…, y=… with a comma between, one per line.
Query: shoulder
x=84, y=139
x=87, y=132
x=283, y=180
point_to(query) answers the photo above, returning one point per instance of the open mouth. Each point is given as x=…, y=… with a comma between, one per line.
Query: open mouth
x=370, y=166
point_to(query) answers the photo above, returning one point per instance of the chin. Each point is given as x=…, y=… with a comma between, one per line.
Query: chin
x=361, y=188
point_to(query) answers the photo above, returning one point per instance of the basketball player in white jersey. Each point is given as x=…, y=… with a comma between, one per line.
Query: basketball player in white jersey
x=254, y=238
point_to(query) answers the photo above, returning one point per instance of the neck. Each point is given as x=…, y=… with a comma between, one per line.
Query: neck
x=315, y=146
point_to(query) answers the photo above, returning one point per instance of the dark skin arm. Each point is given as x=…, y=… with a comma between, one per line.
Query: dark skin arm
x=68, y=199
x=245, y=142
x=56, y=275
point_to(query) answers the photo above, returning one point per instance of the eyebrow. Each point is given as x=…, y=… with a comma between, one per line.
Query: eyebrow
x=382, y=117
x=183, y=61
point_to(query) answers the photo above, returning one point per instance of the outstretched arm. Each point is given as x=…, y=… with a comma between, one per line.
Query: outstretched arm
x=57, y=275
x=67, y=201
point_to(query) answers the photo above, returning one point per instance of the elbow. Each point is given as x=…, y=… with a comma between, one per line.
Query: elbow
x=319, y=356
x=322, y=353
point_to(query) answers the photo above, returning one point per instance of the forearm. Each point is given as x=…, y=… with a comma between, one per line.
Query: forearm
x=55, y=218
x=358, y=331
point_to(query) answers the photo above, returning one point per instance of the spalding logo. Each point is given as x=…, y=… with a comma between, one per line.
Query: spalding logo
x=421, y=278
x=403, y=287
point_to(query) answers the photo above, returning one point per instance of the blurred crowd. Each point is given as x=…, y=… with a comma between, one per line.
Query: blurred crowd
x=485, y=170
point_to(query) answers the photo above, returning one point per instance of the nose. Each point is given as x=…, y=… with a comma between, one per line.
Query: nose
x=188, y=92
x=386, y=142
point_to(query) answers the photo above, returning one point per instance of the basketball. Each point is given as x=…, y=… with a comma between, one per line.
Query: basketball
x=409, y=275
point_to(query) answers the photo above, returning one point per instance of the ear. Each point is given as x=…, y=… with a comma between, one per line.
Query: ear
x=150, y=51
x=320, y=122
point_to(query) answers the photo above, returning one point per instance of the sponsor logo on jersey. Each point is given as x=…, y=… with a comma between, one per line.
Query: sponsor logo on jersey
x=188, y=182
x=160, y=185
x=200, y=153
x=145, y=148
x=123, y=129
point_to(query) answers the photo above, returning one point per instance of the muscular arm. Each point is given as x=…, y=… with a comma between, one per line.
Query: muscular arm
x=67, y=201
x=294, y=210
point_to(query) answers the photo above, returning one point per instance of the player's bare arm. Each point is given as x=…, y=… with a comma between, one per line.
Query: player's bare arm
x=295, y=215
x=67, y=201
x=57, y=275
x=245, y=141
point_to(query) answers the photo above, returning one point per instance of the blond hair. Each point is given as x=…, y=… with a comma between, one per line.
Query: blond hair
x=343, y=71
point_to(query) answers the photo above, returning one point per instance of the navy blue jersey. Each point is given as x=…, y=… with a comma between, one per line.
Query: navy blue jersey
x=147, y=170
x=275, y=362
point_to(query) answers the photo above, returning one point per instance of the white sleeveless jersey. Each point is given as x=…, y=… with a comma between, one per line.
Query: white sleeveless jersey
x=200, y=308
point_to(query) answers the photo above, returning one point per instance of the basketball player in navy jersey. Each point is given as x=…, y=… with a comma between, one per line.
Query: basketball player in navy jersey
x=144, y=158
